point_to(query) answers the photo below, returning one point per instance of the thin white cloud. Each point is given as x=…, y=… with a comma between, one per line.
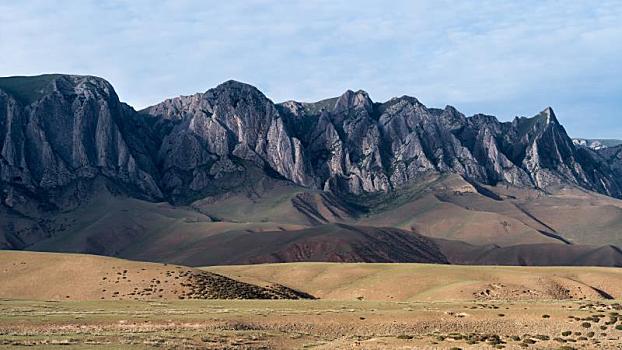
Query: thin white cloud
x=497, y=57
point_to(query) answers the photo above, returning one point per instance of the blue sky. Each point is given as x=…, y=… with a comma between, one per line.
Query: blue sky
x=495, y=57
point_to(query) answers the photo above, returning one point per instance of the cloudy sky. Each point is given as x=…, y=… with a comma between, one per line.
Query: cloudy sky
x=500, y=58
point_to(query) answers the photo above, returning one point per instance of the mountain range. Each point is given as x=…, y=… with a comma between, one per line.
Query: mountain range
x=228, y=176
x=597, y=144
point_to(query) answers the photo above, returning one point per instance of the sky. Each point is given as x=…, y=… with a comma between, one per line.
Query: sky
x=493, y=57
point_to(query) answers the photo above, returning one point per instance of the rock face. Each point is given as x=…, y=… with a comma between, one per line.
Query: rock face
x=611, y=157
x=59, y=133
x=219, y=133
x=351, y=144
x=62, y=134
x=377, y=147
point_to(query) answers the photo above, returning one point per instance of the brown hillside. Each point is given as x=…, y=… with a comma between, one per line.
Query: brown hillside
x=433, y=282
x=52, y=276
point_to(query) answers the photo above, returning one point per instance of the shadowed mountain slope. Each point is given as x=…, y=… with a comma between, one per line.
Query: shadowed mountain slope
x=345, y=178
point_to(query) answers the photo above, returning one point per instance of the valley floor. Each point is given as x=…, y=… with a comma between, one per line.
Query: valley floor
x=73, y=301
x=309, y=324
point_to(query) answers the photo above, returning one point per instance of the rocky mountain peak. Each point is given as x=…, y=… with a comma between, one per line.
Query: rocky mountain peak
x=64, y=133
x=227, y=95
x=538, y=124
x=29, y=89
x=237, y=87
x=234, y=94
x=549, y=115
x=351, y=100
